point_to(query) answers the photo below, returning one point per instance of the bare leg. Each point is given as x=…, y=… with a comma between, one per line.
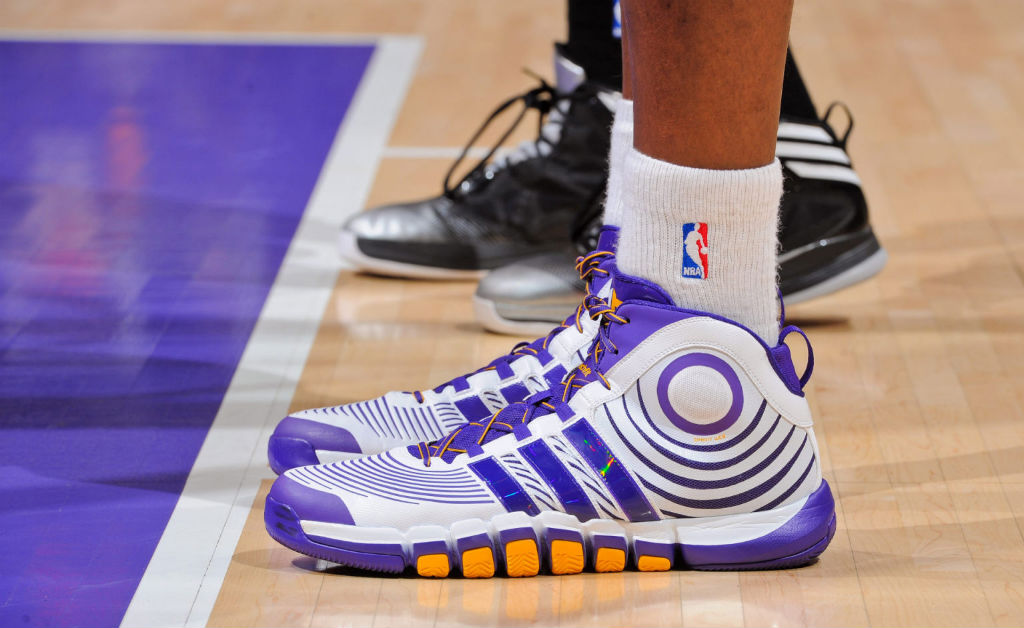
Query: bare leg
x=700, y=189
x=707, y=79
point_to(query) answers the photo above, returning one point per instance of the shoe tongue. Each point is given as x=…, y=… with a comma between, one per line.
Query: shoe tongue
x=568, y=74
x=629, y=288
x=608, y=239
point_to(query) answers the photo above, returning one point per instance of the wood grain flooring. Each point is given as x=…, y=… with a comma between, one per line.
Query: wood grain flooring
x=919, y=382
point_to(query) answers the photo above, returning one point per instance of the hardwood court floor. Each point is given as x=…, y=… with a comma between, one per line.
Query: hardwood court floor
x=919, y=382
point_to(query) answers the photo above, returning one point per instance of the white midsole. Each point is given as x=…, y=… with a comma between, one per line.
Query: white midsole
x=863, y=271
x=721, y=530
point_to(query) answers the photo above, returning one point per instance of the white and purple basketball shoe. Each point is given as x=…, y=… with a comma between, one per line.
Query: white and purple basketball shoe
x=321, y=435
x=682, y=440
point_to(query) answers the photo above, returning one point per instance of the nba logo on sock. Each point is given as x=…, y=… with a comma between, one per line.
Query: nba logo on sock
x=695, y=250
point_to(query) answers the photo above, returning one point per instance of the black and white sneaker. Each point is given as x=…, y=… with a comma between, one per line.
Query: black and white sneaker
x=506, y=209
x=826, y=239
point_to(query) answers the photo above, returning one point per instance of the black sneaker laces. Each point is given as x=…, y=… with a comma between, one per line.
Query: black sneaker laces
x=544, y=99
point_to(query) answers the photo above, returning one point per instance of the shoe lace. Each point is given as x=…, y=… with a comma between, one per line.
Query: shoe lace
x=515, y=417
x=588, y=267
x=552, y=108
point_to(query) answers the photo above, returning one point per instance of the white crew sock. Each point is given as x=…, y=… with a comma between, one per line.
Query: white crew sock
x=740, y=211
x=622, y=143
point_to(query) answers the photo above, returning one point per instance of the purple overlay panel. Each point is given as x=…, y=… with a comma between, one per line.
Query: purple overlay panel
x=504, y=486
x=568, y=491
x=620, y=484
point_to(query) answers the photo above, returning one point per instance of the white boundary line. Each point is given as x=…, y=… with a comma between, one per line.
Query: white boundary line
x=184, y=576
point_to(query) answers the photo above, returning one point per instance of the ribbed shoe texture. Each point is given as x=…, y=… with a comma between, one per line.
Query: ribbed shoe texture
x=741, y=211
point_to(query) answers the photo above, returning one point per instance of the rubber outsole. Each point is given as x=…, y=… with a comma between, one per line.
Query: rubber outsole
x=530, y=550
x=348, y=248
x=865, y=269
x=283, y=526
x=830, y=264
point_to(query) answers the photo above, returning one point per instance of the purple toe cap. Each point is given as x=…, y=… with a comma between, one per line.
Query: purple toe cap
x=320, y=435
x=308, y=504
x=295, y=441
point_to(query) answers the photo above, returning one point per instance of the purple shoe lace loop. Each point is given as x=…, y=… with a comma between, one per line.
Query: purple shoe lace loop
x=806, y=377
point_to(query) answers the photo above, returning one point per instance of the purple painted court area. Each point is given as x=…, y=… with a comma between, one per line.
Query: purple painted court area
x=148, y=193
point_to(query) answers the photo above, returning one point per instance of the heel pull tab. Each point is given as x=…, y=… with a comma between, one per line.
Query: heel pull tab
x=806, y=377
x=849, y=117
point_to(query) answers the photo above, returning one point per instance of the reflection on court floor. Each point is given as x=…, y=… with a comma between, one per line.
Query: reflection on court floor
x=148, y=193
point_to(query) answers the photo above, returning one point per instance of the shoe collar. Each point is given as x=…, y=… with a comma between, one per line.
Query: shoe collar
x=648, y=308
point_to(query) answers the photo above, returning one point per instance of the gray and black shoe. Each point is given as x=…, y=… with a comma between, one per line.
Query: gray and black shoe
x=825, y=237
x=505, y=209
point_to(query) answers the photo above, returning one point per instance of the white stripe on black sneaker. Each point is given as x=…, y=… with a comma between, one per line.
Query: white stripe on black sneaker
x=827, y=172
x=819, y=152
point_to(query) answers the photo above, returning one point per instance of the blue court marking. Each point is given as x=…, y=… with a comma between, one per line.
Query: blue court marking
x=148, y=193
